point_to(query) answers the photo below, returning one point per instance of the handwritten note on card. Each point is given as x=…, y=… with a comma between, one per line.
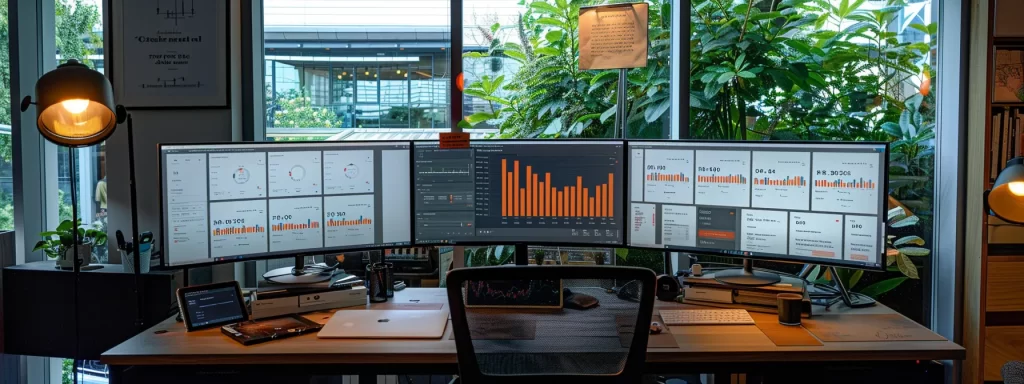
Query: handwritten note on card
x=613, y=36
x=887, y=327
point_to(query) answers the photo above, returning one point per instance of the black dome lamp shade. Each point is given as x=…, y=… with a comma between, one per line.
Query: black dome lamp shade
x=1006, y=199
x=75, y=106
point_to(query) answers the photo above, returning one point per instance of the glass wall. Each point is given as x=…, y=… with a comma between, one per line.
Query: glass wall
x=79, y=34
x=522, y=74
x=6, y=152
x=831, y=70
x=332, y=66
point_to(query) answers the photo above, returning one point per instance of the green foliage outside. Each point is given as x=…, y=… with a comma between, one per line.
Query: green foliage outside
x=74, y=25
x=293, y=109
x=549, y=96
x=759, y=70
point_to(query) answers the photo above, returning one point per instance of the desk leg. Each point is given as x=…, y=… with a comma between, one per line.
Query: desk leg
x=116, y=374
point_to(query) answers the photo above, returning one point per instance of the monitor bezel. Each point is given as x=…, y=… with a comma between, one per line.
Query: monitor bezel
x=280, y=254
x=623, y=199
x=788, y=259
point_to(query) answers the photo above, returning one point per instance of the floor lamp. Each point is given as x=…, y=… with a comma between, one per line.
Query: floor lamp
x=75, y=108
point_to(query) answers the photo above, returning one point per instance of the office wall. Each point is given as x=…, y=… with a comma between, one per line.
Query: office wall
x=152, y=127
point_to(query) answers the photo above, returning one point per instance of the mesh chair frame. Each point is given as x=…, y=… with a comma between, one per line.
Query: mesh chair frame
x=469, y=368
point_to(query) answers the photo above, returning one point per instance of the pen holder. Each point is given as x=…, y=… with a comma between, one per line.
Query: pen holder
x=377, y=280
x=128, y=260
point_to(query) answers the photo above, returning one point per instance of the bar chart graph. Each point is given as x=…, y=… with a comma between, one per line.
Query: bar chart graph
x=527, y=191
x=788, y=181
x=846, y=184
x=309, y=224
x=723, y=179
x=347, y=223
x=239, y=230
x=679, y=177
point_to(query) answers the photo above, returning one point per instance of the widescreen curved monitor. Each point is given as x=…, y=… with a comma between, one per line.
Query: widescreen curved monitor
x=813, y=202
x=237, y=201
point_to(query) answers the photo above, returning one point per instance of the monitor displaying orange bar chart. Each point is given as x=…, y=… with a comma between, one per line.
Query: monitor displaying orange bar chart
x=544, y=191
x=818, y=203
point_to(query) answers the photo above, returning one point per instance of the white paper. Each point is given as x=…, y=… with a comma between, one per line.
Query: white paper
x=613, y=36
x=174, y=53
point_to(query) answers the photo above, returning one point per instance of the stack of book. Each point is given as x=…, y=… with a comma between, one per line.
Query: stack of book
x=705, y=290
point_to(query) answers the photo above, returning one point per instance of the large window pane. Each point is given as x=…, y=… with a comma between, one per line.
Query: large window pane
x=830, y=70
x=522, y=74
x=79, y=33
x=333, y=66
x=6, y=152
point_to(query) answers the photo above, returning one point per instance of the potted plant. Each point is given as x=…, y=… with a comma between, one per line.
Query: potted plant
x=538, y=257
x=57, y=243
x=599, y=258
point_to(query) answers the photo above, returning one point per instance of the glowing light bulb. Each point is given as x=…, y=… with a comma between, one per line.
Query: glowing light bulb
x=399, y=71
x=367, y=73
x=1016, y=188
x=75, y=106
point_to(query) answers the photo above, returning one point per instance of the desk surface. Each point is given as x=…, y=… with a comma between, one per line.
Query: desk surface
x=703, y=344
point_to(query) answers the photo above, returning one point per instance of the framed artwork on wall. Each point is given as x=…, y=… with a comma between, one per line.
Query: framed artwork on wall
x=175, y=54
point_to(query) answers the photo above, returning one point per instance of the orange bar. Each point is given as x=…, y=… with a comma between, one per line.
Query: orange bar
x=586, y=197
x=535, y=198
x=552, y=205
x=504, y=170
x=611, y=192
x=566, y=200
x=558, y=201
x=522, y=202
x=529, y=191
x=591, y=206
x=602, y=190
x=579, y=196
x=547, y=206
x=515, y=191
x=511, y=211
x=573, y=201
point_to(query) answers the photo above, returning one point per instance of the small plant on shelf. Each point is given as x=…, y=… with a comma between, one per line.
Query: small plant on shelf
x=538, y=257
x=58, y=242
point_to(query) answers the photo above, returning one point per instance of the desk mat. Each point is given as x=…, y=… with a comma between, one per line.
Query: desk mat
x=882, y=327
x=625, y=325
x=787, y=335
x=501, y=329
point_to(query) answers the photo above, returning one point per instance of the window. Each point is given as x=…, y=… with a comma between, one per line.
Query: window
x=831, y=70
x=331, y=67
x=522, y=73
x=79, y=34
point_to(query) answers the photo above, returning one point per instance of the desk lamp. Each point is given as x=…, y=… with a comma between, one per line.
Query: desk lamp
x=1006, y=198
x=75, y=108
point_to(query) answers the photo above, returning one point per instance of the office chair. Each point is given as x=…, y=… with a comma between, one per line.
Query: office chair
x=602, y=344
x=1013, y=372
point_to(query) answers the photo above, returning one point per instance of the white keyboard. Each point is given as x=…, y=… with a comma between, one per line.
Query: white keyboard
x=706, y=317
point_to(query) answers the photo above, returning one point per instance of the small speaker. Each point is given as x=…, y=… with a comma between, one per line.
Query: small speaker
x=668, y=288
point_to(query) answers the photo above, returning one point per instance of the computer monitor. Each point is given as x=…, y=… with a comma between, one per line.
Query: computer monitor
x=815, y=202
x=236, y=201
x=516, y=192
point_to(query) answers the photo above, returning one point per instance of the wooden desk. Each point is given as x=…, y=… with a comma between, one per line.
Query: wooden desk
x=699, y=346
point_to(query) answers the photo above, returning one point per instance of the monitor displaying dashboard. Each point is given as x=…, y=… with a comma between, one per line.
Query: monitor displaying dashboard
x=502, y=192
x=234, y=201
x=810, y=202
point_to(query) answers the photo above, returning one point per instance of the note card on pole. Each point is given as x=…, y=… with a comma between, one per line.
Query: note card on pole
x=454, y=140
x=613, y=36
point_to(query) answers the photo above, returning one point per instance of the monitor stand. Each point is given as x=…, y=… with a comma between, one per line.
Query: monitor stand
x=747, y=276
x=299, y=274
x=851, y=299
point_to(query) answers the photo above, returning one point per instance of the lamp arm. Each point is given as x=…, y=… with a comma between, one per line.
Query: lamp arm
x=136, y=257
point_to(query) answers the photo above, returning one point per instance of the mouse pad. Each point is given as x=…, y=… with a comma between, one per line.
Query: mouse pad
x=883, y=327
x=664, y=339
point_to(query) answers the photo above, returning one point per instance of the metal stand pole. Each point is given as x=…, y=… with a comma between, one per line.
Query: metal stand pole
x=139, y=322
x=620, y=105
x=76, y=267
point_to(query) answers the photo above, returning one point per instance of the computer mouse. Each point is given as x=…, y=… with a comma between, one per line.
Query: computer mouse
x=656, y=327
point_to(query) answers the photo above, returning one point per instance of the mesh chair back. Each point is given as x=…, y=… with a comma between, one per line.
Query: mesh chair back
x=510, y=324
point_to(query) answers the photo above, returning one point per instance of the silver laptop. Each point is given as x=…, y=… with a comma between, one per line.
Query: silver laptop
x=385, y=324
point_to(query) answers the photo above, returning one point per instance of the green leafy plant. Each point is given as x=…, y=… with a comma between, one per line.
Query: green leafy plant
x=903, y=246
x=56, y=242
x=489, y=256
x=294, y=109
x=538, y=257
x=549, y=96
x=653, y=260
